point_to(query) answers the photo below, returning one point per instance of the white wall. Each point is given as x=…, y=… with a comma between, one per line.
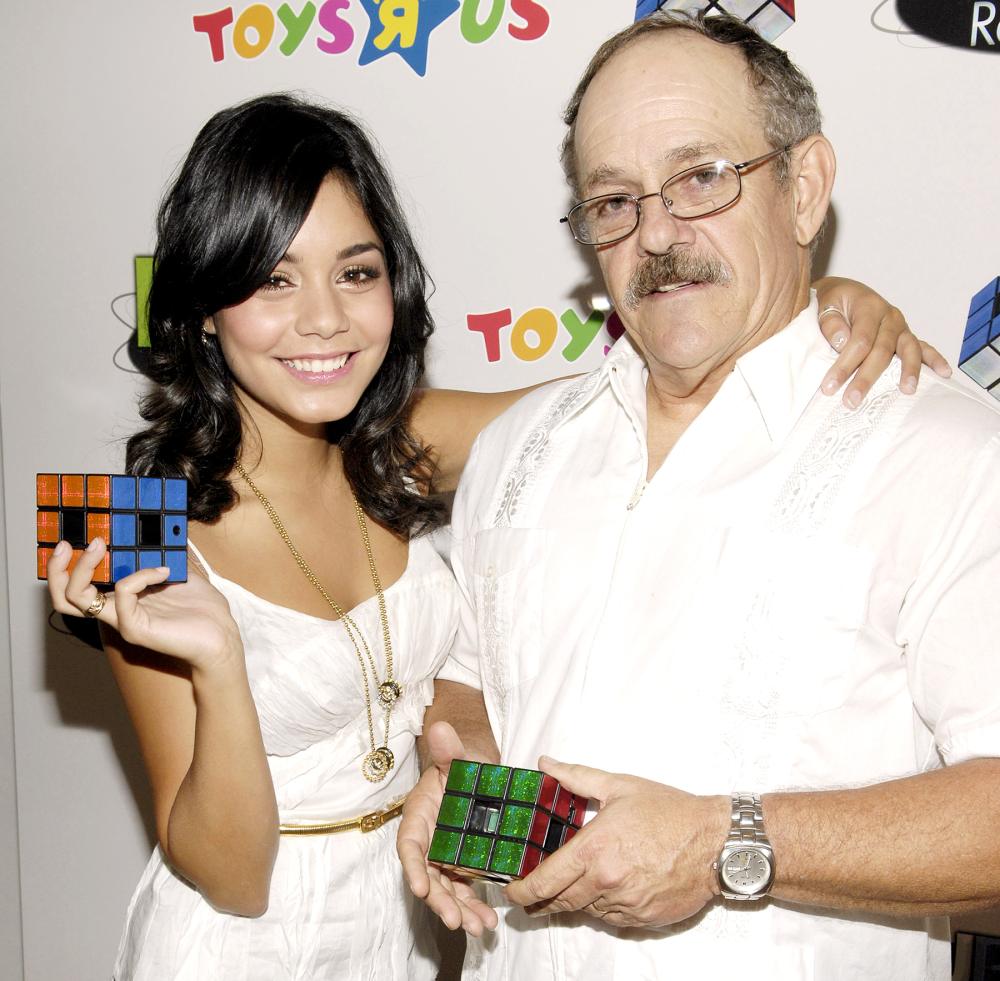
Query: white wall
x=10, y=873
x=106, y=99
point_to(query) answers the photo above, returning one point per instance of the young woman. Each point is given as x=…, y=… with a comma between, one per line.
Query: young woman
x=289, y=319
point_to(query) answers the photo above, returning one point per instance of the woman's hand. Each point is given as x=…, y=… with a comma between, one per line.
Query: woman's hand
x=868, y=331
x=189, y=620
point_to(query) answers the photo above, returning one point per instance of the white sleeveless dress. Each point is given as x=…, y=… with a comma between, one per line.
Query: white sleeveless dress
x=339, y=908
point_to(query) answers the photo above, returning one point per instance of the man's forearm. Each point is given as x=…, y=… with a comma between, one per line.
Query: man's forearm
x=919, y=846
x=462, y=708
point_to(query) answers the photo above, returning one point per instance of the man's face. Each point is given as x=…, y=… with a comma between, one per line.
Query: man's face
x=665, y=103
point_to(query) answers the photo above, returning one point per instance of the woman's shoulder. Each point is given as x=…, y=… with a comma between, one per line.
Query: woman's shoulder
x=448, y=421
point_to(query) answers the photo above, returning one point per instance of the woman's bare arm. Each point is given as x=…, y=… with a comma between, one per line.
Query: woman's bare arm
x=178, y=659
x=865, y=328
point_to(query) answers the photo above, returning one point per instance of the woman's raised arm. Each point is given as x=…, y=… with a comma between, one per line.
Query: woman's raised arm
x=865, y=328
x=177, y=656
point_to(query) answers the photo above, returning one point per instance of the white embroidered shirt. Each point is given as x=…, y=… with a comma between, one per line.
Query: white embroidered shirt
x=802, y=596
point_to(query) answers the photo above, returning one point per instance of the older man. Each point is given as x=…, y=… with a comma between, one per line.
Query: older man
x=778, y=613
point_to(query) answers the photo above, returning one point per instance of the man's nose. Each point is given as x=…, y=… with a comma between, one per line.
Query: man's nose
x=659, y=231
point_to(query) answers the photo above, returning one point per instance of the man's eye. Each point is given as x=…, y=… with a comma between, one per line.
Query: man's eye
x=614, y=205
x=704, y=179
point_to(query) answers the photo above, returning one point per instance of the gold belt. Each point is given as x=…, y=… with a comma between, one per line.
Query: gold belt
x=364, y=823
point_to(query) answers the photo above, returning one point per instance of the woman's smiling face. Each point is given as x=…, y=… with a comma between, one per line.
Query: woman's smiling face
x=305, y=346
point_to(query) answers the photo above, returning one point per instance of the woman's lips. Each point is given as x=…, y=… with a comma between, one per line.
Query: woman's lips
x=318, y=369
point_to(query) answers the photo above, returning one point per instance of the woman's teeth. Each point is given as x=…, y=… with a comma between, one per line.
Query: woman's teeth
x=313, y=365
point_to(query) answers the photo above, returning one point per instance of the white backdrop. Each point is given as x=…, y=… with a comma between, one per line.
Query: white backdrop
x=102, y=101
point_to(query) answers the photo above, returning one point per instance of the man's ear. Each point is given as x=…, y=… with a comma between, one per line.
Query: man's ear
x=813, y=168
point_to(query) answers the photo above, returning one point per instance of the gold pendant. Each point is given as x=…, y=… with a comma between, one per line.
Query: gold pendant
x=377, y=764
x=388, y=693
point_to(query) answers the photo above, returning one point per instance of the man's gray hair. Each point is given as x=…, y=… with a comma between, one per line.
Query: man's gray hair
x=786, y=100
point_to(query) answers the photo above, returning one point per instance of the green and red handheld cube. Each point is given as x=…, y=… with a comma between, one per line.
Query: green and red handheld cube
x=498, y=822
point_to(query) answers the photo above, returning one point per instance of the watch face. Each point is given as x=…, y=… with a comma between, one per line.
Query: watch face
x=747, y=871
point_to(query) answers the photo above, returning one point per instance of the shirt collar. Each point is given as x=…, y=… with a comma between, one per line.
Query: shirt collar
x=782, y=374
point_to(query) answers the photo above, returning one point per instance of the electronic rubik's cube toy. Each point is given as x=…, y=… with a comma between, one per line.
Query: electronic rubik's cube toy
x=980, y=357
x=769, y=18
x=142, y=519
x=497, y=822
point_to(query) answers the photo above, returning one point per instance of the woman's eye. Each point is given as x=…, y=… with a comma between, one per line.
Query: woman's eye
x=359, y=275
x=274, y=283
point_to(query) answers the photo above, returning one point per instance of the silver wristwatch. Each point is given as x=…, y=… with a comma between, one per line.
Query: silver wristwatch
x=746, y=864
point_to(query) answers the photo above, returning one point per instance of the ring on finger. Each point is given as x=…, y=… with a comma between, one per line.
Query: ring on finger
x=831, y=309
x=95, y=608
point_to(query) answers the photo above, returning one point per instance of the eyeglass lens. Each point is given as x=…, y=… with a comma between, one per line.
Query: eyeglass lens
x=690, y=194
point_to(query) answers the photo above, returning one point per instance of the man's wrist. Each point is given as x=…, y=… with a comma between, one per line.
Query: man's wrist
x=717, y=828
x=745, y=863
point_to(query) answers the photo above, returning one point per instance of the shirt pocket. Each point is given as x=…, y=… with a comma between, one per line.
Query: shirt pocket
x=801, y=606
x=508, y=578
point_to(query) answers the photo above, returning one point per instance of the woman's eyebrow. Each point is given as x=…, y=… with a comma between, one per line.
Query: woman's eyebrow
x=359, y=248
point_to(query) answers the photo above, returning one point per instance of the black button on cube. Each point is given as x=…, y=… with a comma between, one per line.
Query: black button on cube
x=484, y=818
x=74, y=526
x=150, y=530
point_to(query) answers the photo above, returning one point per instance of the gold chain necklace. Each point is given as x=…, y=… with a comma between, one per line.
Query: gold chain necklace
x=380, y=760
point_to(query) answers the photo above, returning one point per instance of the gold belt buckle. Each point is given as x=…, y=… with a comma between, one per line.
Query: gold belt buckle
x=369, y=822
x=365, y=823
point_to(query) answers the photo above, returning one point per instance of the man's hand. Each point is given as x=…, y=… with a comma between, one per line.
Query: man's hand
x=450, y=897
x=644, y=861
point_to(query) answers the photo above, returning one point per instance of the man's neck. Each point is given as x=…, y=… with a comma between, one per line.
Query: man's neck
x=676, y=397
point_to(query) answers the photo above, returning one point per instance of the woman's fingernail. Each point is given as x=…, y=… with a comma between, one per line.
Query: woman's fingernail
x=93, y=544
x=839, y=340
x=830, y=385
x=853, y=398
x=909, y=385
x=61, y=549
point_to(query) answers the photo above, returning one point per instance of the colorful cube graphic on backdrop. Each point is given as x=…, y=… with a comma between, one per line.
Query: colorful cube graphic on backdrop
x=142, y=519
x=143, y=283
x=498, y=822
x=769, y=18
x=980, y=356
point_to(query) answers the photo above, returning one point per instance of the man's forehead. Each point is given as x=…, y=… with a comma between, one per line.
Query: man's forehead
x=685, y=93
x=675, y=158
x=669, y=57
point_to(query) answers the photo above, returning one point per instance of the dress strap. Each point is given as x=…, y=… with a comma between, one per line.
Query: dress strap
x=201, y=560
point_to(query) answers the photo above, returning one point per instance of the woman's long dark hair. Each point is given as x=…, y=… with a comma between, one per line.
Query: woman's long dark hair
x=241, y=196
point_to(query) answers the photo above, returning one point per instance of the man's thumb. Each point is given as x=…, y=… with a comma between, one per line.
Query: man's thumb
x=444, y=745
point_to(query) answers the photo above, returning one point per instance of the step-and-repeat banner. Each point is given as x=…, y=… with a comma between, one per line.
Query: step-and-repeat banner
x=464, y=97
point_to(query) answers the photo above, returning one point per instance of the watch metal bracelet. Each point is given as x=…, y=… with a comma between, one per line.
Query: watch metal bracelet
x=747, y=820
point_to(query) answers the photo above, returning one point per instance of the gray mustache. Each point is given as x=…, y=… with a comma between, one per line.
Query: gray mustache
x=681, y=266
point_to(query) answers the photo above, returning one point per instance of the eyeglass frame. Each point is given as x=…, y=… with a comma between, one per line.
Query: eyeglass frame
x=747, y=165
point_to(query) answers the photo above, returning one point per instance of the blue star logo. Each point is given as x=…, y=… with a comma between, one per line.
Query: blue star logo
x=403, y=27
x=643, y=8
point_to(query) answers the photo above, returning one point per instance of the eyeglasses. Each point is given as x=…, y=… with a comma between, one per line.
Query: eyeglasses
x=693, y=193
